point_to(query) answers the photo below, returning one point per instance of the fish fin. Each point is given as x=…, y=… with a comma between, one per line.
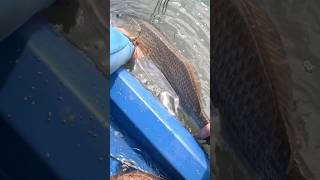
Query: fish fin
x=295, y=172
x=271, y=51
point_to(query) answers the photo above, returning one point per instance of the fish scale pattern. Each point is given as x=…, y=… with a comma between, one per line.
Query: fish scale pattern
x=176, y=68
x=250, y=119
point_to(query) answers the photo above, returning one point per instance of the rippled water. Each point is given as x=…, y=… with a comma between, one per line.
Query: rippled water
x=299, y=25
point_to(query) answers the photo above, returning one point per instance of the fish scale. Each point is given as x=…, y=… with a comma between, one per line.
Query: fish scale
x=251, y=89
x=176, y=68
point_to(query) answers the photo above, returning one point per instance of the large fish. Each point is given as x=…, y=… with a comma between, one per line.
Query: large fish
x=252, y=90
x=178, y=70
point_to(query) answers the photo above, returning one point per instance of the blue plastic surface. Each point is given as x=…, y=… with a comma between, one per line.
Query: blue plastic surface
x=52, y=105
x=125, y=149
x=154, y=130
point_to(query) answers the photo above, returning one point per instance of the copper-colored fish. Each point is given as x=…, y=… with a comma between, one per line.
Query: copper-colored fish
x=178, y=70
x=252, y=89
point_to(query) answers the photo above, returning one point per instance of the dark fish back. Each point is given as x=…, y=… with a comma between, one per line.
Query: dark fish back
x=251, y=87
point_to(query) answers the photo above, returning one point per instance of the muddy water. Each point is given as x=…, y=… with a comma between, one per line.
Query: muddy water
x=299, y=25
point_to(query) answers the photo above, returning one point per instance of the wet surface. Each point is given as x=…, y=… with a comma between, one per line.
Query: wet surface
x=46, y=112
x=125, y=159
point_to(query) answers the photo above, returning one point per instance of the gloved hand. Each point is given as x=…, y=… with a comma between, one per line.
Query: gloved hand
x=13, y=13
x=121, y=49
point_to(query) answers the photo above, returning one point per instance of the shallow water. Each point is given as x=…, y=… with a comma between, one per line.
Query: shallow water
x=299, y=25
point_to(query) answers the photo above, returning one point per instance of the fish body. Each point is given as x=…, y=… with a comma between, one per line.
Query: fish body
x=178, y=70
x=251, y=88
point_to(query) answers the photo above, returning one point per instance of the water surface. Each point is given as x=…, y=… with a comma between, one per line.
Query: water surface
x=298, y=22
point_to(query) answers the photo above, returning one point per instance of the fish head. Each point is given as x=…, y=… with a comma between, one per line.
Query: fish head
x=130, y=27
